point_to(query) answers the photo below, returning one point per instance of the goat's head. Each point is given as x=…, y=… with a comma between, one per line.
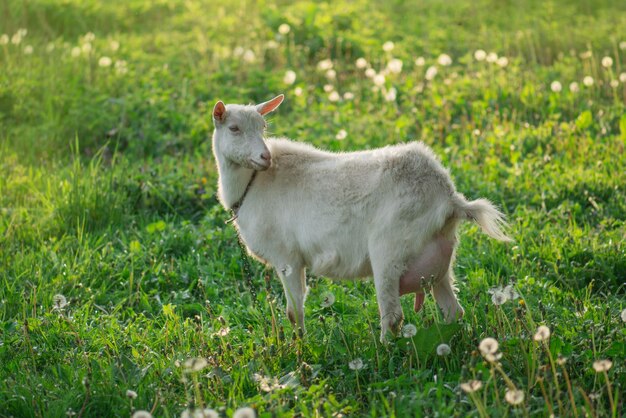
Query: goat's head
x=239, y=133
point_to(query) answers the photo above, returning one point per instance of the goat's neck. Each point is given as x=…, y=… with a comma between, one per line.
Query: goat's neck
x=232, y=182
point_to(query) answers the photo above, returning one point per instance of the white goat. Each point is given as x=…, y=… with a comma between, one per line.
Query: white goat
x=391, y=212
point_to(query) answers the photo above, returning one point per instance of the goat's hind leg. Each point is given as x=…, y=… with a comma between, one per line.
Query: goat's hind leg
x=445, y=295
x=293, y=278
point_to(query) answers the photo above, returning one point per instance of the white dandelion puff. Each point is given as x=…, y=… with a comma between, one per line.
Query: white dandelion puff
x=341, y=135
x=370, y=73
x=443, y=350
x=298, y=91
x=361, y=63
x=420, y=61
x=131, y=394
x=498, y=297
x=444, y=59
x=114, y=45
x=409, y=331
x=59, y=301
x=588, y=81
x=249, y=56
x=394, y=66
x=284, y=29
x=86, y=48
x=327, y=299
x=75, y=52
x=245, y=412
x=356, y=364
x=334, y=96
x=105, y=62
x=4, y=39
x=431, y=72
x=480, y=55
x=238, y=51
x=348, y=95
x=602, y=365
x=142, y=414
x=89, y=37
x=471, y=386
x=622, y=45
x=289, y=77
x=121, y=67
x=331, y=74
x=623, y=315
x=622, y=77
x=488, y=346
x=514, y=396
x=614, y=84
x=542, y=334
x=208, y=413
x=16, y=39
x=388, y=46
x=607, y=62
x=492, y=57
x=195, y=364
x=379, y=80
x=328, y=88
x=391, y=94
x=502, y=62
x=325, y=65
x=28, y=50
x=556, y=86
x=573, y=87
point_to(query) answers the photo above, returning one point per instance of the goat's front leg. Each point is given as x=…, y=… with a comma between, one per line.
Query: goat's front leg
x=387, y=282
x=293, y=278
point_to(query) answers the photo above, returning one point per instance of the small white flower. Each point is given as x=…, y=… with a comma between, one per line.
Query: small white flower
x=388, y=46
x=602, y=365
x=409, y=331
x=114, y=45
x=622, y=77
x=420, y=61
x=195, y=364
x=131, y=394
x=298, y=91
x=348, y=95
x=431, y=72
x=394, y=66
x=588, y=81
x=444, y=59
x=284, y=29
x=4, y=39
x=290, y=77
x=391, y=94
x=379, y=80
x=542, y=334
x=370, y=73
x=142, y=414
x=361, y=63
x=514, y=396
x=246, y=412
x=480, y=55
x=356, y=364
x=443, y=350
x=334, y=96
x=492, y=57
x=249, y=56
x=573, y=87
x=327, y=299
x=325, y=65
x=607, y=62
x=614, y=84
x=471, y=386
x=75, y=52
x=28, y=50
x=59, y=301
x=623, y=315
x=502, y=62
x=342, y=134
x=331, y=74
x=556, y=86
x=105, y=62
x=488, y=346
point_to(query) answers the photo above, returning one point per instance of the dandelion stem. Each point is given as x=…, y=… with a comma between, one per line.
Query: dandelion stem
x=609, y=391
x=545, y=396
x=569, y=391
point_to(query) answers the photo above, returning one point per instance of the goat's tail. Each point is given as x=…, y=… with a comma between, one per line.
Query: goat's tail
x=484, y=213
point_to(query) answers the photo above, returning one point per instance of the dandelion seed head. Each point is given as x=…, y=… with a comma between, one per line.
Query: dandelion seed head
x=622, y=77
x=607, y=62
x=614, y=84
x=556, y=86
x=602, y=365
x=75, y=52
x=341, y=135
x=28, y=50
x=238, y=51
x=502, y=62
x=131, y=394
x=388, y=46
x=271, y=44
x=542, y=334
x=328, y=88
x=623, y=315
x=16, y=39
x=573, y=87
x=105, y=62
x=588, y=81
x=370, y=73
x=361, y=63
x=4, y=39
x=488, y=346
x=492, y=57
x=331, y=74
x=514, y=396
x=114, y=45
x=121, y=67
x=86, y=48
x=561, y=360
x=499, y=298
x=471, y=386
x=394, y=66
x=356, y=364
x=622, y=45
x=327, y=297
x=249, y=56
x=245, y=412
x=348, y=95
x=298, y=91
x=443, y=350
x=289, y=77
x=431, y=72
x=142, y=414
x=59, y=301
x=284, y=29
x=195, y=364
x=391, y=94
x=334, y=96
x=480, y=55
x=379, y=80
x=409, y=331
x=325, y=65
x=444, y=60
x=209, y=413
x=420, y=61
x=89, y=37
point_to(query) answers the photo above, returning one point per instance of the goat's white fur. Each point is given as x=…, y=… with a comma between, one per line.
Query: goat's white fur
x=390, y=212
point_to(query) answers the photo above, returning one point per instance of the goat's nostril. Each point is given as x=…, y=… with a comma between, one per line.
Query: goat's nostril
x=266, y=156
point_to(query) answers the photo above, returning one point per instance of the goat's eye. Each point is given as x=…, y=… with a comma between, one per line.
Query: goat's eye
x=234, y=128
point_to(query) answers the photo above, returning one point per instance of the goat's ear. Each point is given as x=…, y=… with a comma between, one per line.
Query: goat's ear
x=219, y=111
x=267, y=107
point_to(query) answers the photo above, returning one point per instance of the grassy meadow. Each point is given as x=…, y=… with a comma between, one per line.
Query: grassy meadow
x=122, y=290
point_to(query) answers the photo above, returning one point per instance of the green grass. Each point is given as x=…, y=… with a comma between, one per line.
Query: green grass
x=107, y=196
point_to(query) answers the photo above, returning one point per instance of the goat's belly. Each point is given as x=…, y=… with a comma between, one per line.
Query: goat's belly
x=336, y=265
